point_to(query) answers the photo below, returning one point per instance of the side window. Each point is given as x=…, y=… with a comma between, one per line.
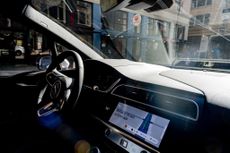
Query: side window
x=20, y=47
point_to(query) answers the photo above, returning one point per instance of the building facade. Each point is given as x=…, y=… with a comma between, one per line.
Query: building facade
x=209, y=27
x=156, y=37
x=148, y=37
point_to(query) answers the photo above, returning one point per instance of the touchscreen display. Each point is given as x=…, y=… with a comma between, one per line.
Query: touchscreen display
x=144, y=125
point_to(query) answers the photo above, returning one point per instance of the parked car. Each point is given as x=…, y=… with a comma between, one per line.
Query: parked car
x=110, y=80
x=19, y=50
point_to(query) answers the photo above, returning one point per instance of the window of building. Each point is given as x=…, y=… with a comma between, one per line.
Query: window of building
x=200, y=3
x=84, y=13
x=164, y=28
x=179, y=5
x=156, y=27
x=227, y=1
x=194, y=3
x=226, y=14
x=82, y=16
x=118, y=21
x=200, y=20
x=178, y=1
x=180, y=32
x=209, y=2
x=227, y=10
x=192, y=21
x=137, y=29
x=121, y=21
x=152, y=27
x=206, y=19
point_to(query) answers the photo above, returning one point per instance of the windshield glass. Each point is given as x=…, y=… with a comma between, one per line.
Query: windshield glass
x=190, y=34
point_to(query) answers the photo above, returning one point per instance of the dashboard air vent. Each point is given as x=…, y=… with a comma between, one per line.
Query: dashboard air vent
x=176, y=105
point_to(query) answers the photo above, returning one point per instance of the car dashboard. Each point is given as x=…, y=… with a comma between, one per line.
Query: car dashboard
x=134, y=107
x=128, y=114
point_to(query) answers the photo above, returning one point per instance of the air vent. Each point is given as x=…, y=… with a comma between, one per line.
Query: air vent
x=179, y=106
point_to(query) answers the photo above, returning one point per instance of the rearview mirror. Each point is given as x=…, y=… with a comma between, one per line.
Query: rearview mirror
x=147, y=5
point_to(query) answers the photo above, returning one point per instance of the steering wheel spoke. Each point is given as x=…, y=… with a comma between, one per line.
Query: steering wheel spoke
x=47, y=109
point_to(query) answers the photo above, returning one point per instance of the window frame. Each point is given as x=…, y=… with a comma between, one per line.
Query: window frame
x=204, y=17
x=195, y=3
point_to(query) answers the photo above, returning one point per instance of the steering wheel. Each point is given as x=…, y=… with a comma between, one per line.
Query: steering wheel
x=59, y=89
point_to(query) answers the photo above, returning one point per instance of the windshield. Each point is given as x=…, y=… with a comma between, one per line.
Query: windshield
x=190, y=34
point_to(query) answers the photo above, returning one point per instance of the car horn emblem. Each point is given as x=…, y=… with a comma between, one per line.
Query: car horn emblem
x=55, y=89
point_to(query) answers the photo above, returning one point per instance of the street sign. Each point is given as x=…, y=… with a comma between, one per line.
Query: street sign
x=136, y=20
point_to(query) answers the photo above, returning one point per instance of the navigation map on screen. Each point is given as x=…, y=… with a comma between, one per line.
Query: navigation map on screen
x=144, y=125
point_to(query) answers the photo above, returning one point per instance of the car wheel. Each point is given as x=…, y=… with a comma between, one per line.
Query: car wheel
x=18, y=53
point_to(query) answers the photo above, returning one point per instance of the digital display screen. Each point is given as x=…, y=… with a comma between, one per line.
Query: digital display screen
x=144, y=125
